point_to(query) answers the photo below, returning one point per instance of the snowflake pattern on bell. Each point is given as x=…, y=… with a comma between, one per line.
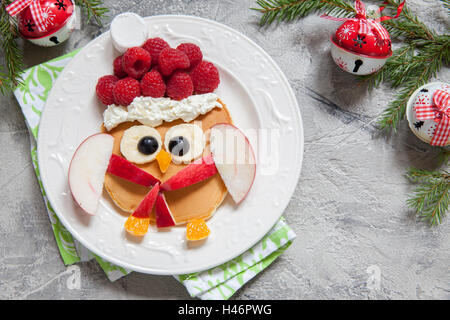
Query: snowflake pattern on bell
x=423, y=99
x=61, y=5
x=30, y=25
x=48, y=17
x=345, y=32
x=379, y=42
x=359, y=41
x=341, y=63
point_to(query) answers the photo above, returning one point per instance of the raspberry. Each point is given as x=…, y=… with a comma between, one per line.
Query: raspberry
x=152, y=84
x=136, y=62
x=118, y=70
x=126, y=90
x=179, y=86
x=104, y=89
x=154, y=47
x=193, y=52
x=205, y=77
x=171, y=59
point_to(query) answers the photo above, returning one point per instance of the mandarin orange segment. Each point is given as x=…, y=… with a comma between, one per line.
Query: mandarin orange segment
x=197, y=230
x=164, y=159
x=137, y=226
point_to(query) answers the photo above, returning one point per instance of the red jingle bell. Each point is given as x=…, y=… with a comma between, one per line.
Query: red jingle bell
x=45, y=22
x=361, y=45
x=348, y=36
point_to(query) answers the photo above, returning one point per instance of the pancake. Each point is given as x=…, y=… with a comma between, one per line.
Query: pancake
x=197, y=201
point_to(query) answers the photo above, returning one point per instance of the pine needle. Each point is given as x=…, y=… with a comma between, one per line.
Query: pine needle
x=10, y=74
x=431, y=198
x=446, y=4
x=407, y=25
x=288, y=10
x=93, y=9
x=443, y=157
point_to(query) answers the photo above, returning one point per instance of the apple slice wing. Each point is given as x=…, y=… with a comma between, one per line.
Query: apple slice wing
x=164, y=217
x=139, y=221
x=234, y=159
x=191, y=174
x=87, y=170
x=124, y=169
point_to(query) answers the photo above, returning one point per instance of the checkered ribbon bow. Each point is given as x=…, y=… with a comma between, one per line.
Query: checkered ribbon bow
x=36, y=11
x=439, y=111
x=366, y=25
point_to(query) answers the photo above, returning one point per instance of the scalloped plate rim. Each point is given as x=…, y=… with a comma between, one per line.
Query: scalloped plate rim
x=295, y=175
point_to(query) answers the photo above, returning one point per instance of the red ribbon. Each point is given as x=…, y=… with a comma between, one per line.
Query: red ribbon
x=36, y=11
x=366, y=24
x=439, y=111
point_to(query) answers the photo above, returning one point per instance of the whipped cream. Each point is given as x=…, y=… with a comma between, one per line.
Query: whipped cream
x=153, y=111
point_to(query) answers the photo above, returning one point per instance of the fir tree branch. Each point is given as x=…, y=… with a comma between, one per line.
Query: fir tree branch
x=10, y=73
x=410, y=70
x=407, y=25
x=288, y=10
x=446, y=4
x=443, y=157
x=431, y=198
x=93, y=9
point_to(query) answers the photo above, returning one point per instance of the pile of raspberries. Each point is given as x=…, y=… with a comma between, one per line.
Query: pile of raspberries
x=157, y=70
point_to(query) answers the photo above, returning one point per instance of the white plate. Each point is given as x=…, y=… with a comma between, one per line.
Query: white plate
x=258, y=96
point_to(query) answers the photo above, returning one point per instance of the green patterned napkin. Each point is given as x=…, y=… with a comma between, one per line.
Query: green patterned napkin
x=218, y=283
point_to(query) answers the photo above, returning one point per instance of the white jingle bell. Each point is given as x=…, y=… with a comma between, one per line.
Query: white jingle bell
x=428, y=111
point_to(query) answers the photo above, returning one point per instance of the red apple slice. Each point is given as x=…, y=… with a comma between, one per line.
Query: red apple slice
x=145, y=207
x=191, y=174
x=234, y=159
x=124, y=169
x=87, y=170
x=138, y=222
x=164, y=217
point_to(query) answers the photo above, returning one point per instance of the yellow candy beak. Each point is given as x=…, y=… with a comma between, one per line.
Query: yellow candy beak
x=164, y=159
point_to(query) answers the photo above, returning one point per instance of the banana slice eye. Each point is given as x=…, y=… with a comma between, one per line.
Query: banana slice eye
x=148, y=145
x=185, y=142
x=179, y=146
x=140, y=144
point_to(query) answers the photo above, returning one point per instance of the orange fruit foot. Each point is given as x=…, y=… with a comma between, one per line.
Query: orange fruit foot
x=137, y=226
x=197, y=230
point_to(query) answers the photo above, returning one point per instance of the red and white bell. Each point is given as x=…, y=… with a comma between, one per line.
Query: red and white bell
x=359, y=53
x=348, y=36
x=361, y=45
x=58, y=19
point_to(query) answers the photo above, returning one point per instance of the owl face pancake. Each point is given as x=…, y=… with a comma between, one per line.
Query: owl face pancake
x=196, y=201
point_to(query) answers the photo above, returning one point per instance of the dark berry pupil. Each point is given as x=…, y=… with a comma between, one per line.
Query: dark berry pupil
x=179, y=146
x=148, y=145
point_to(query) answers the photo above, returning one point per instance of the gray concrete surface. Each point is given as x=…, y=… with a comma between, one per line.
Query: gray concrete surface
x=348, y=209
